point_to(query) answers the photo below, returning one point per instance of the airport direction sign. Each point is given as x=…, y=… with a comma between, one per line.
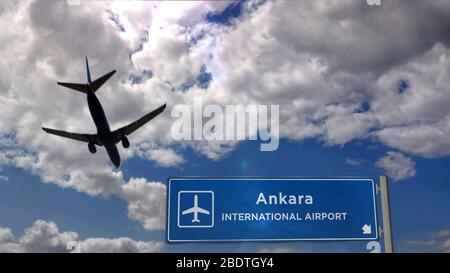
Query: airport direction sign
x=270, y=209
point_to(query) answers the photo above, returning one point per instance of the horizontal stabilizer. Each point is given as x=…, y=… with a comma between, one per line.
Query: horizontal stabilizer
x=95, y=85
x=75, y=86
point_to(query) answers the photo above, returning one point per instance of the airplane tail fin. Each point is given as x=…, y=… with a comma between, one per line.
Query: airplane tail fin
x=95, y=85
x=88, y=73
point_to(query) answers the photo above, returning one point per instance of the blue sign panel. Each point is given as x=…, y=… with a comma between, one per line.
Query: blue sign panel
x=270, y=209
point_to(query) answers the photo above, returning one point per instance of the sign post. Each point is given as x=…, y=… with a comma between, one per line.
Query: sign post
x=386, y=213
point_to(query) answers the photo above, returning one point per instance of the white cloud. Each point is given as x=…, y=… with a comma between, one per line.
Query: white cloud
x=354, y=161
x=321, y=82
x=397, y=166
x=164, y=157
x=4, y=178
x=118, y=245
x=146, y=199
x=437, y=241
x=146, y=202
x=6, y=236
x=44, y=236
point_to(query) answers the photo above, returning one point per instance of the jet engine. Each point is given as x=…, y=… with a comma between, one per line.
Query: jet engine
x=92, y=148
x=125, y=142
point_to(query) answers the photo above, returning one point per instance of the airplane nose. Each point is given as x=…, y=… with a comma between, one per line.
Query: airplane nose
x=113, y=154
x=115, y=159
x=116, y=162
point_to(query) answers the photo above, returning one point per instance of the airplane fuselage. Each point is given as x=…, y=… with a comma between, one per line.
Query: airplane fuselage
x=105, y=136
x=195, y=218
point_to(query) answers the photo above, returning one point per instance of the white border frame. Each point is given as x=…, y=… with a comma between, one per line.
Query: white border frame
x=265, y=239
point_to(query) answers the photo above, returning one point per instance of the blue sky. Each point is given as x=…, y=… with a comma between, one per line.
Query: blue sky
x=419, y=204
x=369, y=97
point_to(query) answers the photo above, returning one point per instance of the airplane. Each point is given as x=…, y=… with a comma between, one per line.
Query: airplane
x=104, y=137
x=195, y=210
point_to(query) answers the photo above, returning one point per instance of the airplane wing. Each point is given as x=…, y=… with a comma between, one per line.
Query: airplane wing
x=195, y=209
x=75, y=136
x=200, y=210
x=191, y=210
x=130, y=128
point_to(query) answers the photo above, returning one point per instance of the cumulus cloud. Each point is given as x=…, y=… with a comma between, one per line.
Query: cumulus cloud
x=334, y=67
x=146, y=199
x=44, y=236
x=6, y=236
x=146, y=202
x=4, y=178
x=45, y=47
x=118, y=245
x=166, y=157
x=397, y=165
x=163, y=157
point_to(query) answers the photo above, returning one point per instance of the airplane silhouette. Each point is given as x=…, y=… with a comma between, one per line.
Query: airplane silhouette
x=195, y=210
x=104, y=137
